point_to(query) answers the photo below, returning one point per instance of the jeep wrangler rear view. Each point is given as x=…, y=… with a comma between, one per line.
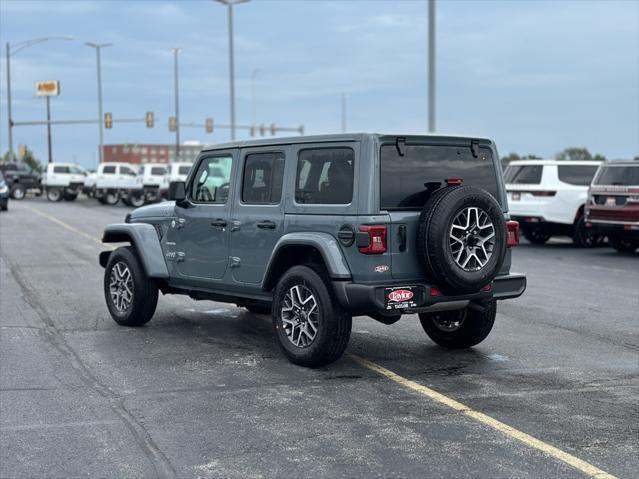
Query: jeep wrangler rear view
x=316, y=230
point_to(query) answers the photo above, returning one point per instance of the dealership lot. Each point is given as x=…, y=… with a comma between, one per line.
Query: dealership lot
x=202, y=390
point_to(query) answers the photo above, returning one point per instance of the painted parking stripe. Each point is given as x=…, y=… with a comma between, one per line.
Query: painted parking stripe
x=69, y=227
x=509, y=431
x=552, y=451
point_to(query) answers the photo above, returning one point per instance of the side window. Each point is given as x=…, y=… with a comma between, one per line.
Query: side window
x=211, y=182
x=125, y=170
x=158, y=170
x=263, y=178
x=325, y=176
x=109, y=170
x=524, y=175
x=577, y=175
x=61, y=169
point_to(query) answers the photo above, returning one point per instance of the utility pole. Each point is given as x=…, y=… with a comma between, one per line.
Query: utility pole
x=253, y=116
x=48, y=98
x=431, y=66
x=343, y=113
x=230, y=4
x=176, y=52
x=98, y=47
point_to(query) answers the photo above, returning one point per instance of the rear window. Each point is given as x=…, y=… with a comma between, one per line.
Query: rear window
x=325, y=176
x=577, y=175
x=158, y=170
x=618, y=176
x=523, y=175
x=184, y=170
x=408, y=181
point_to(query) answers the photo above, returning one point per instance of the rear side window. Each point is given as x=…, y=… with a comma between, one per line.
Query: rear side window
x=325, y=176
x=109, y=170
x=158, y=170
x=408, y=181
x=61, y=169
x=263, y=178
x=577, y=175
x=618, y=176
x=125, y=170
x=523, y=175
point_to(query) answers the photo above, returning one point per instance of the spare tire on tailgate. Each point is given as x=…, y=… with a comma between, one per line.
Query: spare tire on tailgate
x=461, y=238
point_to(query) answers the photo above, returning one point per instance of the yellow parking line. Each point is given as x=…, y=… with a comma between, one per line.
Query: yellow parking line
x=69, y=227
x=520, y=436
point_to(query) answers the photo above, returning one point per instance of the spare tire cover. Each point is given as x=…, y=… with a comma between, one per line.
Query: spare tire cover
x=461, y=239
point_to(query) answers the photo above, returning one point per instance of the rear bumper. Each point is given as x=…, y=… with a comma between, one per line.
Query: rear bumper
x=615, y=229
x=362, y=299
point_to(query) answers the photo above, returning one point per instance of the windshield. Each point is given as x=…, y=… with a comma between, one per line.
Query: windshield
x=408, y=181
x=618, y=176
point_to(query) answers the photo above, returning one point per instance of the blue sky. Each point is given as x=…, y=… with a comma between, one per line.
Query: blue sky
x=537, y=76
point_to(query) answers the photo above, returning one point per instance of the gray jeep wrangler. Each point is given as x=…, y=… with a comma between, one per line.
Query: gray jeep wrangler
x=315, y=230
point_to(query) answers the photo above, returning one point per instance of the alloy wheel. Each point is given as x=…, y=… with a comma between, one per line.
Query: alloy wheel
x=449, y=321
x=300, y=316
x=121, y=287
x=472, y=238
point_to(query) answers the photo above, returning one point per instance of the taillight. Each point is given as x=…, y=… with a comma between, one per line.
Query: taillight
x=454, y=181
x=376, y=239
x=543, y=193
x=512, y=233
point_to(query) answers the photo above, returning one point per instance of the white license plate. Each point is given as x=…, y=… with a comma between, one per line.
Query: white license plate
x=611, y=201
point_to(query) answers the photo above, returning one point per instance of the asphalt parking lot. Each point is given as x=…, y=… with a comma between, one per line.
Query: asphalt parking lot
x=203, y=391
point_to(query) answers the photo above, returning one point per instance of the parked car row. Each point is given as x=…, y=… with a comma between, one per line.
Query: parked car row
x=584, y=200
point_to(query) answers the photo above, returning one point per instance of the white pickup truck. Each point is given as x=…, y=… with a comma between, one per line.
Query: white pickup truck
x=152, y=175
x=118, y=181
x=63, y=181
x=175, y=172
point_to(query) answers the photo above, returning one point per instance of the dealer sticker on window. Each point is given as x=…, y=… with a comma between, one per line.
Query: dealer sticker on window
x=400, y=297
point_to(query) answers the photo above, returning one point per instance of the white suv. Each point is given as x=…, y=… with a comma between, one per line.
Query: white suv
x=547, y=197
x=152, y=175
x=115, y=181
x=63, y=181
x=175, y=172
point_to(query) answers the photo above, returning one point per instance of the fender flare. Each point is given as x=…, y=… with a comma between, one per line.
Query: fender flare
x=144, y=239
x=323, y=242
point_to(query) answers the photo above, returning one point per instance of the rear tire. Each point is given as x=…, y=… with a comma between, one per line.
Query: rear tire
x=583, y=237
x=135, y=199
x=111, y=197
x=70, y=196
x=303, y=307
x=54, y=194
x=535, y=234
x=18, y=192
x=4, y=206
x=623, y=245
x=460, y=329
x=130, y=295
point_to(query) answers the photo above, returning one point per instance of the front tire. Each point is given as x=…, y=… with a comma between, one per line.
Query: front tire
x=130, y=295
x=583, y=237
x=536, y=234
x=312, y=328
x=18, y=192
x=111, y=197
x=54, y=194
x=460, y=329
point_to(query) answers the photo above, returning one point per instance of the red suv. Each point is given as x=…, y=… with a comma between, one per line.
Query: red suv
x=613, y=204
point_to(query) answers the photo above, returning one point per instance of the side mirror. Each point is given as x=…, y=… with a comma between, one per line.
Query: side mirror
x=177, y=191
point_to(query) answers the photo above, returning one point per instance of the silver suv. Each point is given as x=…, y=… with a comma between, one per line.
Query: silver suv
x=315, y=230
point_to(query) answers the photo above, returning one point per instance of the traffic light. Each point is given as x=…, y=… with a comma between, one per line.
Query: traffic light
x=149, y=119
x=273, y=129
x=209, y=125
x=108, y=120
x=262, y=130
x=172, y=123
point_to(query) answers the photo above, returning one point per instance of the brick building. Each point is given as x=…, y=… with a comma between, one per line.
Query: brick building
x=150, y=153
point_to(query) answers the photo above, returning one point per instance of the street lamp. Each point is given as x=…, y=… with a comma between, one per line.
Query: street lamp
x=230, y=4
x=176, y=51
x=98, y=47
x=431, y=66
x=12, y=50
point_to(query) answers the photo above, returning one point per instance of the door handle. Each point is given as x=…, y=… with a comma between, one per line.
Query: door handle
x=219, y=223
x=266, y=225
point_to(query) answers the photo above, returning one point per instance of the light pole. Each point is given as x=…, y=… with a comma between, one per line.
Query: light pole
x=98, y=47
x=12, y=50
x=176, y=52
x=253, y=75
x=431, y=66
x=230, y=4
x=343, y=113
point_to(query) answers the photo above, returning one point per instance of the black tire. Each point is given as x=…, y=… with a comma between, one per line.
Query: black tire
x=476, y=322
x=333, y=322
x=4, y=206
x=135, y=199
x=623, y=245
x=583, y=237
x=259, y=308
x=144, y=293
x=434, y=239
x=111, y=197
x=70, y=196
x=18, y=191
x=535, y=234
x=54, y=194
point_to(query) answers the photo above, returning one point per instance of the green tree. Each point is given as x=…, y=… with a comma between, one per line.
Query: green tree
x=29, y=159
x=578, y=154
